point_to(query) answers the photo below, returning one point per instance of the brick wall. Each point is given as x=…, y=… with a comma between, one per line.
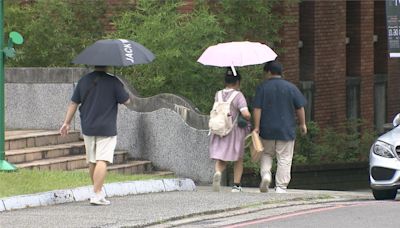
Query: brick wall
x=290, y=40
x=366, y=60
x=330, y=62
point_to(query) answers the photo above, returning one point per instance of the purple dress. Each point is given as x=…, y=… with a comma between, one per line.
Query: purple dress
x=231, y=146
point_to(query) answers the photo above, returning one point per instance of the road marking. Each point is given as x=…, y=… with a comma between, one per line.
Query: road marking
x=299, y=213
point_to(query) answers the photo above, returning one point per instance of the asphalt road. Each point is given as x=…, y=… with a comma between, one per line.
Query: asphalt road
x=361, y=214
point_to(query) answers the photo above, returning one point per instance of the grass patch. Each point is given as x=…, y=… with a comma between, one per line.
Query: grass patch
x=34, y=181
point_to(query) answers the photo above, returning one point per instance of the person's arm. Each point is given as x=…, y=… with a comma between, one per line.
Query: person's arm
x=301, y=116
x=128, y=101
x=257, y=118
x=72, y=107
x=246, y=114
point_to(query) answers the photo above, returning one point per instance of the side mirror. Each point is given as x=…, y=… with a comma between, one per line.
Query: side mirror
x=396, y=120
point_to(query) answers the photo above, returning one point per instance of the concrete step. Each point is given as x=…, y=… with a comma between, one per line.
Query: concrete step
x=132, y=167
x=19, y=139
x=67, y=162
x=162, y=173
x=44, y=152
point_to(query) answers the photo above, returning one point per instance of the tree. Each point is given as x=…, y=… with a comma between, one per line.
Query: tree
x=54, y=30
x=177, y=40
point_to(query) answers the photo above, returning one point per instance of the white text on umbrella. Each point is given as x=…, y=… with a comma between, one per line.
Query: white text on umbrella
x=128, y=50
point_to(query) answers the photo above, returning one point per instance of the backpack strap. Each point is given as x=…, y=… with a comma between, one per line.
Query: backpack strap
x=219, y=96
x=233, y=95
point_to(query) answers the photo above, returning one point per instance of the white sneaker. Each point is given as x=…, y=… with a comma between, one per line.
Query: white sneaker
x=280, y=190
x=217, y=182
x=99, y=200
x=236, y=188
x=265, y=183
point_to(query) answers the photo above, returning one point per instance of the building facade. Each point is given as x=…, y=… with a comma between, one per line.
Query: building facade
x=336, y=51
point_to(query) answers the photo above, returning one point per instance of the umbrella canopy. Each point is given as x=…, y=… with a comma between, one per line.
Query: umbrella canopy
x=118, y=52
x=242, y=53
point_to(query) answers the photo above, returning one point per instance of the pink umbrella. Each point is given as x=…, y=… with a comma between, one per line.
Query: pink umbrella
x=232, y=54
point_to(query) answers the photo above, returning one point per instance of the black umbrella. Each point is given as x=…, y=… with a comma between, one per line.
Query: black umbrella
x=114, y=53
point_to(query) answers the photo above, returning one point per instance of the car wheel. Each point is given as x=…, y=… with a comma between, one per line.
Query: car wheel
x=386, y=194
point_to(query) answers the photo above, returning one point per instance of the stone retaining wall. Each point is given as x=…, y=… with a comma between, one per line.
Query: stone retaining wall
x=165, y=129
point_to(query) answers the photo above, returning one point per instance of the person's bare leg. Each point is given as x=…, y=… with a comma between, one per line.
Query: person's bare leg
x=219, y=168
x=92, y=166
x=99, y=176
x=238, y=171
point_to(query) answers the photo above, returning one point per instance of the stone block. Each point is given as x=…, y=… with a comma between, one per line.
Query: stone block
x=16, y=158
x=17, y=144
x=33, y=156
x=120, y=189
x=2, y=207
x=56, y=197
x=82, y=193
x=149, y=186
x=19, y=202
x=30, y=142
x=54, y=153
x=179, y=185
x=46, y=140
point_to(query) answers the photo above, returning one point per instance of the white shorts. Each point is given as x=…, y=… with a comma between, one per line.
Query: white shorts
x=100, y=148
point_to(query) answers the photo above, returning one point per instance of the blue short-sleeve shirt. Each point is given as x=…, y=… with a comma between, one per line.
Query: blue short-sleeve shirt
x=278, y=100
x=100, y=106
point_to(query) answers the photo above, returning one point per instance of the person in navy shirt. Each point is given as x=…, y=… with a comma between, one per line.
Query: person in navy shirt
x=97, y=95
x=276, y=104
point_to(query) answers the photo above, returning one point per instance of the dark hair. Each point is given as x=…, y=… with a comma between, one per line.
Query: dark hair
x=274, y=67
x=230, y=78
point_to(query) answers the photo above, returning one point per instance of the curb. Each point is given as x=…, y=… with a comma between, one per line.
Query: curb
x=84, y=193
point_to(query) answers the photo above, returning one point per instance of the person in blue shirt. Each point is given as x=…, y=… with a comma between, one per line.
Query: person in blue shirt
x=276, y=104
x=97, y=95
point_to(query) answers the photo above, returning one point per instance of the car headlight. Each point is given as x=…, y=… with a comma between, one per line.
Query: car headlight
x=383, y=149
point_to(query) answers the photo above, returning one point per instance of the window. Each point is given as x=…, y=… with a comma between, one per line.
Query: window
x=353, y=98
x=380, y=101
x=307, y=88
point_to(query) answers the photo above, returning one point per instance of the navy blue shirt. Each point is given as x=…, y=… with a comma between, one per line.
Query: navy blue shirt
x=100, y=107
x=278, y=100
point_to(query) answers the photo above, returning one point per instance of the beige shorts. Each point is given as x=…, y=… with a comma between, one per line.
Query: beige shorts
x=100, y=148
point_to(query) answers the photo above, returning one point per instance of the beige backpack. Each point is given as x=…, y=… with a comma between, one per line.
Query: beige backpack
x=221, y=122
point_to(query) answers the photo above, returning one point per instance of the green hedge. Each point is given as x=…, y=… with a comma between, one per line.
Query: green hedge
x=350, y=143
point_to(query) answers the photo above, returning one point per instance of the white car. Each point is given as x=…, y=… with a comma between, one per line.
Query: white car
x=384, y=163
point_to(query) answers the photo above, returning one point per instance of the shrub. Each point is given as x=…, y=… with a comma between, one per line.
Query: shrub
x=350, y=144
x=177, y=40
x=325, y=146
x=54, y=30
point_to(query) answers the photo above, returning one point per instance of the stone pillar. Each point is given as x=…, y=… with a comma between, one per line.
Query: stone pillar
x=366, y=28
x=290, y=41
x=330, y=62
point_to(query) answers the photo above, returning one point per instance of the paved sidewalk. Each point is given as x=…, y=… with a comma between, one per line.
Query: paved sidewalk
x=154, y=208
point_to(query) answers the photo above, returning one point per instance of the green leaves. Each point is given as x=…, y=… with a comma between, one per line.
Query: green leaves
x=54, y=30
x=177, y=40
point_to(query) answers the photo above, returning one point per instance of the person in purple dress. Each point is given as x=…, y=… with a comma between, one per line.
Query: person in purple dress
x=230, y=147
